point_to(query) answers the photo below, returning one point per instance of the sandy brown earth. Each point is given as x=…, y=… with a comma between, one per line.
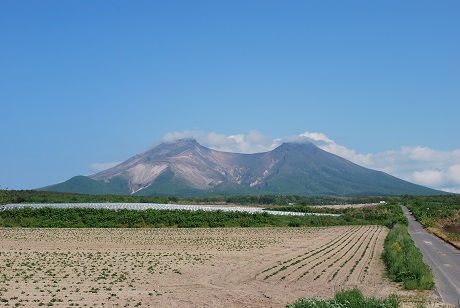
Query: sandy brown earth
x=244, y=267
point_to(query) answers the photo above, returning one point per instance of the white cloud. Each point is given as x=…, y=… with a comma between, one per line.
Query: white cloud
x=323, y=142
x=429, y=177
x=421, y=165
x=170, y=137
x=96, y=167
x=252, y=142
x=316, y=136
x=454, y=173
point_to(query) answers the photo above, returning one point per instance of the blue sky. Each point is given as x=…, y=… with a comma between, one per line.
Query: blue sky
x=84, y=84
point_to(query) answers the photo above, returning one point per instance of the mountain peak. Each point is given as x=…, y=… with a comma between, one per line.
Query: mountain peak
x=184, y=167
x=297, y=145
x=183, y=140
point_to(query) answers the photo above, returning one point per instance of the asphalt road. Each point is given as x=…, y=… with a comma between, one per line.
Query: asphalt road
x=443, y=259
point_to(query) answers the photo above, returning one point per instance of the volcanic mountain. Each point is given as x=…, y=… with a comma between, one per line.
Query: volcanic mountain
x=185, y=167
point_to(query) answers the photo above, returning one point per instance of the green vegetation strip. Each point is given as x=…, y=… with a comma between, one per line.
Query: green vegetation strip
x=404, y=260
x=347, y=299
x=37, y=196
x=387, y=215
x=48, y=217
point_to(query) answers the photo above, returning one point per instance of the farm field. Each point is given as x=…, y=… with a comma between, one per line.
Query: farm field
x=441, y=216
x=232, y=267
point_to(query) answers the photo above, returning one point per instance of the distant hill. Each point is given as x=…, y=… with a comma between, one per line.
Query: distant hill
x=185, y=167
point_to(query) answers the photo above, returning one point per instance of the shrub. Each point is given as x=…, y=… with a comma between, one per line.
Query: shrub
x=347, y=299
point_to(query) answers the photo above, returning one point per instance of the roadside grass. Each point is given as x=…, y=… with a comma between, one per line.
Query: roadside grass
x=347, y=299
x=404, y=261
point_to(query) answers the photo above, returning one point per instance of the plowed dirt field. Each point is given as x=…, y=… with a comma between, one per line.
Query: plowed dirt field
x=244, y=267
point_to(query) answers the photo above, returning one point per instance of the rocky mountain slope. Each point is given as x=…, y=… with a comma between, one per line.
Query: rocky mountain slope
x=185, y=167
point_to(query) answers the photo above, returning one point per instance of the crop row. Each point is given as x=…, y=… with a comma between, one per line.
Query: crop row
x=309, y=254
x=343, y=255
x=319, y=252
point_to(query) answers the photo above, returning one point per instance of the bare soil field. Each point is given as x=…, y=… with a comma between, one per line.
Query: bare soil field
x=223, y=267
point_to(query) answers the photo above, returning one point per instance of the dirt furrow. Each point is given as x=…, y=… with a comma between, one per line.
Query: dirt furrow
x=370, y=256
x=359, y=261
x=294, y=264
x=342, y=263
x=320, y=265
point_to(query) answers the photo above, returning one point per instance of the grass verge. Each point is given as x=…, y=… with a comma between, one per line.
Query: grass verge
x=349, y=299
x=404, y=261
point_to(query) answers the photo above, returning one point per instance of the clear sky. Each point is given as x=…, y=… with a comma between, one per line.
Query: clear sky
x=85, y=84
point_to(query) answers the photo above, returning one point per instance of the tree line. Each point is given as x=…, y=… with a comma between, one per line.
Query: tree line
x=48, y=217
x=35, y=196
